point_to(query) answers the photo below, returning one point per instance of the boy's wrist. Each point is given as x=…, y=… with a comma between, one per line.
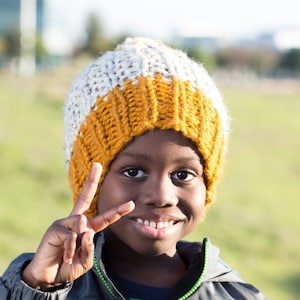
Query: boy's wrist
x=29, y=278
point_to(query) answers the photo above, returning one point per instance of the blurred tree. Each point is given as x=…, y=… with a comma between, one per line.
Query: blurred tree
x=234, y=58
x=291, y=60
x=264, y=60
x=12, y=43
x=208, y=59
x=96, y=42
x=3, y=46
x=41, y=52
x=260, y=60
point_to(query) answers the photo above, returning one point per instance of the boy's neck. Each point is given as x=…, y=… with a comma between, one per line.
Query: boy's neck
x=158, y=271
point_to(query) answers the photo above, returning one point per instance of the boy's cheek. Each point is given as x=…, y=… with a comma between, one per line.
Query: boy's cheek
x=113, y=197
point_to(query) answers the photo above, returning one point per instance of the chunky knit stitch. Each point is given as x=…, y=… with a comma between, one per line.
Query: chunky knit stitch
x=141, y=86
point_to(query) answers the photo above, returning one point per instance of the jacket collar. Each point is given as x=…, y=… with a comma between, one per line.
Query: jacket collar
x=202, y=258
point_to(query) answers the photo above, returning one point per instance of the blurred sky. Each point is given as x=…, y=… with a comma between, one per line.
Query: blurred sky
x=159, y=18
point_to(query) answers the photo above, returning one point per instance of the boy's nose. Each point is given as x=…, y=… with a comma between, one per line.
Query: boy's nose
x=159, y=192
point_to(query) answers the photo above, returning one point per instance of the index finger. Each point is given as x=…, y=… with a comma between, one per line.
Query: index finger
x=88, y=192
x=111, y=216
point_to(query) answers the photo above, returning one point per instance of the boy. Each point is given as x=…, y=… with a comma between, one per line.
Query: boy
x=145, y=136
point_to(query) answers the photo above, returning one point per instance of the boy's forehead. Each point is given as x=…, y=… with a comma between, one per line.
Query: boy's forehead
x=154, y=140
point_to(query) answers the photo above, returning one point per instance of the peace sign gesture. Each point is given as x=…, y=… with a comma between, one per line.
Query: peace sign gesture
x=66, y=249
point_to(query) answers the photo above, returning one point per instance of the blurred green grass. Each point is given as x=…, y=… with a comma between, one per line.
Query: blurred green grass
x=254, y=221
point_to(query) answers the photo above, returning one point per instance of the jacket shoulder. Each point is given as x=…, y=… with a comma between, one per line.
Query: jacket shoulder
x=228, y=291
x=221, y=280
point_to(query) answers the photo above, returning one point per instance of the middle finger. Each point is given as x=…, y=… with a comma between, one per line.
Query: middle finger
x=109, y=217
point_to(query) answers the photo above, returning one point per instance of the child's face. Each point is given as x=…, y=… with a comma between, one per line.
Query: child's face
x=162, y=173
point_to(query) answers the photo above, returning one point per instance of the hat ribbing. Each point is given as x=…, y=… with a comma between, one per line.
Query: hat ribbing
x=141, y=86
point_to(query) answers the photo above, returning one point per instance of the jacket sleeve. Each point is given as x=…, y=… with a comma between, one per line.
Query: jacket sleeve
x=14, y=288
x=229, y=291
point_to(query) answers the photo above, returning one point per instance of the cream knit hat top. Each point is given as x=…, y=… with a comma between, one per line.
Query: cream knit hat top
x=140, y=86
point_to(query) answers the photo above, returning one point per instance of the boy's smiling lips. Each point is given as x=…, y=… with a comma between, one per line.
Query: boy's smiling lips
x=156, y=226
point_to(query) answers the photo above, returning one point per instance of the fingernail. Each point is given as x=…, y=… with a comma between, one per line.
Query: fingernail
x=95, y=163
x=132, y=203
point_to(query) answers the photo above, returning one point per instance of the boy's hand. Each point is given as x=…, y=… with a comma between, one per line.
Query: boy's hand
x=66, y=250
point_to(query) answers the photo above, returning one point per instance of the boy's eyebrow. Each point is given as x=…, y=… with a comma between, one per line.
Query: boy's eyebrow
x=145, y=156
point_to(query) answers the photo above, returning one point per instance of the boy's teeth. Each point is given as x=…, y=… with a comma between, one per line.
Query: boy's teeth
x=154, y=224
x=160, y=225
x=139, y=220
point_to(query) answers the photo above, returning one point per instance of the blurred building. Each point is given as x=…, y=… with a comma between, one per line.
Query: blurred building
x=21, y=21
x=210, y=37
x=206, y=36
x=280, y=40
x=36, y=33
x=10, y=16
x=52, y=25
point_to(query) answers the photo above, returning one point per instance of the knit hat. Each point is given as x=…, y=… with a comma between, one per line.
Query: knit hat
x=141, y=86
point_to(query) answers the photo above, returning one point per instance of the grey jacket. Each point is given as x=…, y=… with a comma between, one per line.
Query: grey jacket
x=208, y=277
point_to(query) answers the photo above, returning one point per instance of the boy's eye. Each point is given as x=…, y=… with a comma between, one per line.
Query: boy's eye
x=182, y=175
x=134, y=173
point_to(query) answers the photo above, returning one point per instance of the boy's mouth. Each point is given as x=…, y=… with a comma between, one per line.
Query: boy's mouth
x=156, y=224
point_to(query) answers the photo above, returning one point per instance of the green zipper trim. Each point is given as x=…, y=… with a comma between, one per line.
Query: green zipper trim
x=199, y=281
x=103, y=278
